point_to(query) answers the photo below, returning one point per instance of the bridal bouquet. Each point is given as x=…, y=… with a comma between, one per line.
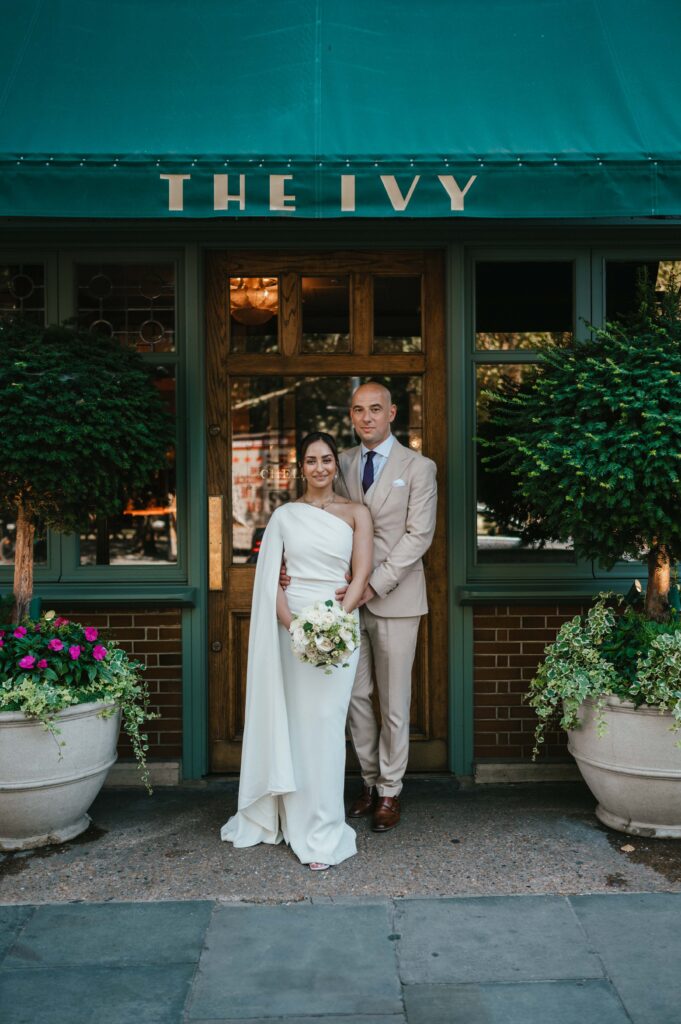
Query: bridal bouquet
x=323, y=634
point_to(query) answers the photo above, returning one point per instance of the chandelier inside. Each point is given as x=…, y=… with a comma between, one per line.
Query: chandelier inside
x=253, y=300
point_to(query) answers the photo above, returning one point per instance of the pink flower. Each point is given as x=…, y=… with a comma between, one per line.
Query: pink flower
x=59, y=621
x=91, y=633
x=74, y=651
x=99, y=652
x=19, y=632
x=42, y=663
x=2, y=632
x=28, y=661
x=55, y=644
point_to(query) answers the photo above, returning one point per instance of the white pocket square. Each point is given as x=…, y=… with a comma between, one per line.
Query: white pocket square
x=399, y=483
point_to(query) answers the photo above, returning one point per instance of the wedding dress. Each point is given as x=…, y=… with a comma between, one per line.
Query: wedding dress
x=293, y=758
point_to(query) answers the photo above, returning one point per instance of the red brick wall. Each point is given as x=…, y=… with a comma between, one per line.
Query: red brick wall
x=154, y=637
x=509, y=641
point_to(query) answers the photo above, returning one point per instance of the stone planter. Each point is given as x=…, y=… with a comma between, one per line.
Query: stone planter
x=44, y=798
x=634, y=771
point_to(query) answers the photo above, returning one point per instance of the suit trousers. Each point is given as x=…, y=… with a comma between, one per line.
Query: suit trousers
x=387, y=650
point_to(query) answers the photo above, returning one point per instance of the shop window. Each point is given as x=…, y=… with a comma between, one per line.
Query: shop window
x=499, y=539
x=397, y=314
x=254, y=314
x=270, y=415
x=326, y=314
x=22, y=290
x=523, y=304
x=145, y=531
x=129, y=301
x=622, y=283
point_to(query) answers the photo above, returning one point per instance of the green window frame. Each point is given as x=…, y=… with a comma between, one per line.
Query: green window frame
x=63, y=550
x=500, y=572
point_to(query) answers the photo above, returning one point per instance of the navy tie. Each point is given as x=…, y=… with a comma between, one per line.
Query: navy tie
x=368, y=475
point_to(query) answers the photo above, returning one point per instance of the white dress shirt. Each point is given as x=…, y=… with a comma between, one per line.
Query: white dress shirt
x=381, y=454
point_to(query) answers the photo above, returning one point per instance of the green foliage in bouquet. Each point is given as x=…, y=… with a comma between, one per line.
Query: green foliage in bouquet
x=613, y=649
x=82, y=427
x=588, y=447
x=50, y=664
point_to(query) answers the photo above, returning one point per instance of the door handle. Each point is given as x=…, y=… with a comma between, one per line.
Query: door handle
x=215, y=574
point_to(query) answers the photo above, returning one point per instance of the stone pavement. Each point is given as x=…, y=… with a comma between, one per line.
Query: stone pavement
x=486, y=840
x=600, y=959
x=488, y=905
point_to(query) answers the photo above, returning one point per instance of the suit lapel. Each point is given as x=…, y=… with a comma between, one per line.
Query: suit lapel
x=352, y=476
x=391, y=471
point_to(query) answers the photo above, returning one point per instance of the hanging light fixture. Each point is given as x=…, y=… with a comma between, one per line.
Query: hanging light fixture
x=253, y=300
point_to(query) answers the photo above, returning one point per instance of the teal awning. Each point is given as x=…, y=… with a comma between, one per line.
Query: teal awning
x=388, y=108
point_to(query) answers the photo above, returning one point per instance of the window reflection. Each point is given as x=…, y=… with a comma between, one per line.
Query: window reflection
x=8, y=536
x=500, y=541
x=270, y=415
x=254, y=314
x=22, y=290
x=622, y=282
x=130, y=301
x=326, y=314
x=145, y=532
x=523, y=304
x=397, y=314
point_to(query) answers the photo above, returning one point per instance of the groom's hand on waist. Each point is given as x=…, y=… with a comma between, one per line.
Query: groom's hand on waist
x=284, y=580
x=368, y=595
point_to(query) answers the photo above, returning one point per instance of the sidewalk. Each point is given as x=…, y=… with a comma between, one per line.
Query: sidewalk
x=610, y=959
x=487, y=840
x=493, y=905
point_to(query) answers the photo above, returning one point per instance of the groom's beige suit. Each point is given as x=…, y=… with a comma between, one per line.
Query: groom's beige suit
x=402, y=502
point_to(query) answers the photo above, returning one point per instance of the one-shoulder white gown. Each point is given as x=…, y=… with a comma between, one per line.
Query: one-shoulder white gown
x=293, y=758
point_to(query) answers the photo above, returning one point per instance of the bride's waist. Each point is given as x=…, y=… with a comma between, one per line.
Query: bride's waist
x=302, y=591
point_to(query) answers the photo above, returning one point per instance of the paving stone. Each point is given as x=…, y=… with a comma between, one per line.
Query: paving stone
x=83, y=995
x=108, y=934
x=528, y=938
x=355, y=1019
x=639, y=941
x=12, y=920
x=300, y=960
x=560, y=1002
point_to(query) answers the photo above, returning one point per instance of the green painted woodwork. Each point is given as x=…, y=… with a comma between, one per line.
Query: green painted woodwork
x=185, y=585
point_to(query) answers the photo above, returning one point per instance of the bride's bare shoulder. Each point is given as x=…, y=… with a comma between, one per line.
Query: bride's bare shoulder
x=360, y=513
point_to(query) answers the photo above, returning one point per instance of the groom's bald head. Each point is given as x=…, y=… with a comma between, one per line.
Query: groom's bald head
x=372, y=411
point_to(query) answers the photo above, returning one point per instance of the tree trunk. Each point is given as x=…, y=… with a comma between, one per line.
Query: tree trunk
x=23, y=564
x=659, y=580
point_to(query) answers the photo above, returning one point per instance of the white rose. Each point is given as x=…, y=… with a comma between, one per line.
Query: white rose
x=323, y=643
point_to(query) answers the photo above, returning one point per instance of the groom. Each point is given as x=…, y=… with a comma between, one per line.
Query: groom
x=398, y=485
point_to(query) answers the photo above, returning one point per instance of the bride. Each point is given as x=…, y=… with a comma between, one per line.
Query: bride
x=293, y=758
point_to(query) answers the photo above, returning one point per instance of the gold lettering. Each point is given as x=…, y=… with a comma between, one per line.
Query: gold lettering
x=452, y=189
x=221, y=195
x=348, y=193
x=279, y=200
x=399, y=202
x=175, y=189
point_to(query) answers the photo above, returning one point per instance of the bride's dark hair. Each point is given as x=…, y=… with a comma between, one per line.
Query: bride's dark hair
x=321, y=435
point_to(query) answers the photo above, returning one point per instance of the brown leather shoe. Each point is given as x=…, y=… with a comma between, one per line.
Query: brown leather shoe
x=365, y=802
x=387, y=813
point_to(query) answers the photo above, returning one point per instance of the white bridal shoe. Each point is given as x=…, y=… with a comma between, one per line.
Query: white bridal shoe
x=318, y=866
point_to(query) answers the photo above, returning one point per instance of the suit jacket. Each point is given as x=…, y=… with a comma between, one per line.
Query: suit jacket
x=403, y=504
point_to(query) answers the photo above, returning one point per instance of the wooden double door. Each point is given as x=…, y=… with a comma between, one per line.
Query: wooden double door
x=290, y=335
